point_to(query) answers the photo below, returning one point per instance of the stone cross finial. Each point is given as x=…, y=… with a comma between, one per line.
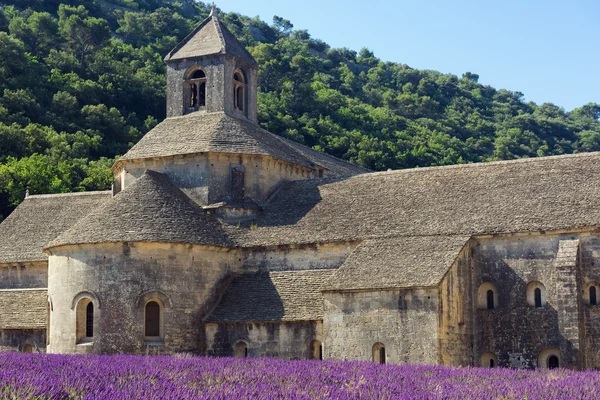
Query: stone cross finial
x=27, y=193
x=212, y=10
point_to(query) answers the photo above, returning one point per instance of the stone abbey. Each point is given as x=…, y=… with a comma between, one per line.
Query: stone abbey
x=220, y=238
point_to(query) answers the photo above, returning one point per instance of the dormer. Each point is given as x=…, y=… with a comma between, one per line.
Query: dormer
x=211, y=71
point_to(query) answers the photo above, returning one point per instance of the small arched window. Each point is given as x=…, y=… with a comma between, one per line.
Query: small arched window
x=195, y=86
x=490, y=299
x=85, y=320
x=27, y=348
x=536, y=294
x=239, y=91
x=316, y=350
x=489, y=360
x=153, y=321
x=591, y=293
x=240, y=350
x=379, y=353
x=549, y=358
x=89, y=320
x=487, y=296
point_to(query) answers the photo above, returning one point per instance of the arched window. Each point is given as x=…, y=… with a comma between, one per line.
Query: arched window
x=379, y=353
x=195, y=86
x=489, y=360
x=240, y=350
x=487, y=296
x=490, y=299
x=85, y=320
x=536, y=294
x=316, y=350
x=239, y=91
x=549, y=358
x=591, y=296
x=153, y=321
x=27, y=348
x=89, y=320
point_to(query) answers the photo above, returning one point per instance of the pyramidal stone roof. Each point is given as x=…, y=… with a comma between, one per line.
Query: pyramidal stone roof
x=211, y=37
x=40, y=219
x=152, y=209
x=221, y=133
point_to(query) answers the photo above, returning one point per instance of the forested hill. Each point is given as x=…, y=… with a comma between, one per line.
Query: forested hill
x=82, y=81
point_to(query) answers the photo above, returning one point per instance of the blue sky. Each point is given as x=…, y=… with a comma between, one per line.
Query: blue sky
x=548, y=50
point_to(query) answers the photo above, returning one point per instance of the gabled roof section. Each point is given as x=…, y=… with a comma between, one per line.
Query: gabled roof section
x=41, y=218
x=152, y=209
x=221, y=133
x=274, y=296
x=23, y=308
x=399, y=262
x=537, y=194
x=209, y=38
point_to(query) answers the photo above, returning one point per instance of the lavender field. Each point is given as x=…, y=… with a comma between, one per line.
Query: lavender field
x=30, y=376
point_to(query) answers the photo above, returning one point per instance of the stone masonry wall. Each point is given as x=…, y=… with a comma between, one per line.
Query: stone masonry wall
x=15, y=340
x=24, y=275
x=286, y=340
x=116, y=276
x=455, y=336
x=590, y=274
x=206, y=178
x=404, y=321
x=314, y=256
x=515, y=331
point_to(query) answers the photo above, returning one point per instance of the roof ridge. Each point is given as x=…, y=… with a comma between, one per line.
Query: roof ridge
x=482, y=164
x=70, y=194
x=217, y=23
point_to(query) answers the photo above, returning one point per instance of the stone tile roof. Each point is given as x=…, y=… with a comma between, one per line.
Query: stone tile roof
x=23, y=308
x=398, y=262
x=209, y=38
x=538, y=194
x=40, y=219
x=221, y=133
x=152, y=209
x=274, y=296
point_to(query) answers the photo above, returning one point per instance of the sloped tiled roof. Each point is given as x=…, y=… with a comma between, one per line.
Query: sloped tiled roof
x=40, y=219
x=274, y=296
x=398, y=262
x=23, y=308
x=221, y=133
x=209, y=38
x=538, y=194
x=152, y=209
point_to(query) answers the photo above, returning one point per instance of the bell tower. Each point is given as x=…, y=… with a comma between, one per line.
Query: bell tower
x=211, y=71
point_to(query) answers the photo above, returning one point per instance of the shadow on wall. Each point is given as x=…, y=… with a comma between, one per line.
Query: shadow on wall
x=524, y=321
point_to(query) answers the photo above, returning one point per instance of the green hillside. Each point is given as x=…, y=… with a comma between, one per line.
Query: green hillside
x=80, y=84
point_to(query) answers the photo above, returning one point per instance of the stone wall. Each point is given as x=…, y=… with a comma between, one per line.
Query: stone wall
x=455, y=336
x=15, y=340
x=404, y=321
x=285, y=340
x=515, y=330
x=120, y=278
x=206, y=178
x=312, y=256
x=24, y=275
x=219, y=72
x=590, y=323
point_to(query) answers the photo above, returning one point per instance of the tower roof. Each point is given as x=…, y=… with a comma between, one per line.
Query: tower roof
x=209, y=38
x=152, y=209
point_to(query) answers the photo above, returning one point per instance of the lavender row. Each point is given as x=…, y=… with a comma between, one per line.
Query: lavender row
x=34, y=376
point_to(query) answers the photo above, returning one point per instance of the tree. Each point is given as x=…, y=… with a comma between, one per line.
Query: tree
x=83, y=33
x=284, y=26
x=38, y=31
